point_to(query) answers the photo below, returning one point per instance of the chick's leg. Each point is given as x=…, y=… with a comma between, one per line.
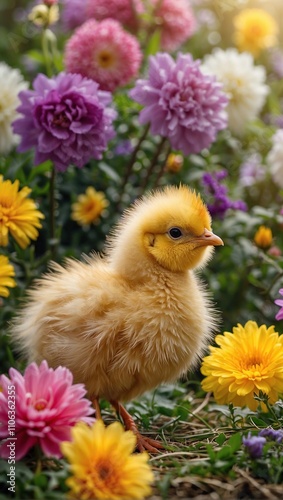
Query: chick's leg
x=143, y=442
x=95, y=403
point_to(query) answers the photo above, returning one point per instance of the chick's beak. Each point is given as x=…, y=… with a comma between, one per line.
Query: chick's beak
x=208, y=238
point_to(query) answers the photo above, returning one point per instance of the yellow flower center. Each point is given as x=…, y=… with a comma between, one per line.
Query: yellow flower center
x=105, y=59
x=40, y=405
x=253, y=370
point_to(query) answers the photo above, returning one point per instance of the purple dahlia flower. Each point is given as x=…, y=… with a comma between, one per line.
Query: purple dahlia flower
x=181, y=103
x=66, y=119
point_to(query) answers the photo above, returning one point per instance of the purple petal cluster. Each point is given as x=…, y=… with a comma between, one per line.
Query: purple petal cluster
x=272, y=434
x=279, y=302
x=66, y=119
x=181, y=103
x=251, y=170
x=219, y=193
x=254, y=445
x=124, y=148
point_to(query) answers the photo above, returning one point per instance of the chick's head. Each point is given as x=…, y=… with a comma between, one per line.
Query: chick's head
x=177, y=232
x=170, y=228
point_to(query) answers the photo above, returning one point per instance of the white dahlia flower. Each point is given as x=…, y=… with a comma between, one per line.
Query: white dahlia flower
x=243, y=82
x=275, y=158
x=11, y=83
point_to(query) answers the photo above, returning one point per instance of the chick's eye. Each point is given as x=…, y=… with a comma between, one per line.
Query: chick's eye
x=175, y=233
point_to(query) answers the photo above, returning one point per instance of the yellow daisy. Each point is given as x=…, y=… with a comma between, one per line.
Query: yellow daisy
x=256, y=30
x=263, y=237
x=6, y=276
x=247, y=361
x=89, y=206
x=18, y=214
x=103, y=465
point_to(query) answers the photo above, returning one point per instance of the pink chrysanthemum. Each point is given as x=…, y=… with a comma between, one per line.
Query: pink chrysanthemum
x=181, y=103
x=44, y=405
x=177, y=22
x=124, y=11
x=104, y=52
x=279, y=302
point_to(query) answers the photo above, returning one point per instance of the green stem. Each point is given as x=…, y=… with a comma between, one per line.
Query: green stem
x=45, y=51
x=153, y=163
x=52, y=236
x=163, y=167
x=132, y=162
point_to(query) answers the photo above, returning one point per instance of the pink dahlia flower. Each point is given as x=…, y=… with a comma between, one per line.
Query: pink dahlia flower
x=39, y=408
x=104, y=52
x=176, y=21
x=279, y=302
x=66, y=118
x=124, y=11
x=181, y=103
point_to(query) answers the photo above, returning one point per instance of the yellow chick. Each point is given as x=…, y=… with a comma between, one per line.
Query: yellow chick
x=135, y=318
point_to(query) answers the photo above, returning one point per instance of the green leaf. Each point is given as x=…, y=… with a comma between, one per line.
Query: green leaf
x=110, y=172
x=235, y=442
x=220, y=439
x=154, y=43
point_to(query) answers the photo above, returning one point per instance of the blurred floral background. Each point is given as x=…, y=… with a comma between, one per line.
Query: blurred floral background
x=101, y=101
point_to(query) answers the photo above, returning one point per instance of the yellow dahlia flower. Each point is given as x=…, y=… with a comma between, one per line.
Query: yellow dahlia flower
x=89, y=206
x=6, y=276
x=18, y=214
x=263, y=237
x=103, y=465
x=256, y=30
x=247, y=361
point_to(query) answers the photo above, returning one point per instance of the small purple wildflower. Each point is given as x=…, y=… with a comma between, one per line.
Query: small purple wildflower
x=181, y=103
x=272, y=434
x=276, y=58
x=124, y=148
x=279, y=302
x=251, y=170
x=66, y=118
x=219, y=192
x=254, y=445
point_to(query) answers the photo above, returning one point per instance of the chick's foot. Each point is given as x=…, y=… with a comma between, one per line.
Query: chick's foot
x=143, y=443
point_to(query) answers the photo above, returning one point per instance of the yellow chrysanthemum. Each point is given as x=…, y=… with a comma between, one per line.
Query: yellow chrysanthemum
x=247, y=361
x=256, y=30
x=263, y=237
x=103, y=465
x=6, y=276
x=18, y=214
x=89, y=206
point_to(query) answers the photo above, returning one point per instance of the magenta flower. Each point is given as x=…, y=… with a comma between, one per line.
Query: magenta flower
x=176, y=22
x=105, y=52
x=279, y=302
x=181, y=103
x=44, y=405
x=66, y=118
